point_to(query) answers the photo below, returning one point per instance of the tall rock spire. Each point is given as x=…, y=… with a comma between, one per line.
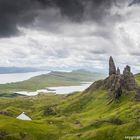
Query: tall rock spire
x=112, y=67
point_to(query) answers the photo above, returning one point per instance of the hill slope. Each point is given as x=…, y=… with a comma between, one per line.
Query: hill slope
x=137, y=77
x=78, y=116
x=90, y=115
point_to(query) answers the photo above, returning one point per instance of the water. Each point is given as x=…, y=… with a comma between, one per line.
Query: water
x=16, y=77
x=58, y=90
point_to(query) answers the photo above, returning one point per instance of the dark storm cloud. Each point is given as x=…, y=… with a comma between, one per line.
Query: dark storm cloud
x=134, y=2
x=22, y=13
x=14, y=13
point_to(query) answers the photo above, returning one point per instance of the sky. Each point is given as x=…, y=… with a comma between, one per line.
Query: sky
x=70, y=34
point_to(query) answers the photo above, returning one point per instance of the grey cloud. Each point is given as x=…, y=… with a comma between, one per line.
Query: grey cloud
x=135, y=54
x=46, y=51
x=55, y=36
x=24, y=13
x=134, y=2
x=14, y=13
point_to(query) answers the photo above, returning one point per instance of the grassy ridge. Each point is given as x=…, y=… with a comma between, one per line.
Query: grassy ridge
x=49, y=80
x=137, y=77
x=79, y=116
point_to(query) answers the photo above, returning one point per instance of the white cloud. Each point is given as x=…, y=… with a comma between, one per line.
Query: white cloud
x=76, y=45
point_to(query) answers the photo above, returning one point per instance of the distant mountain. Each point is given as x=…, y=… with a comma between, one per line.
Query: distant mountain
x=6, y=70
x=54, y=78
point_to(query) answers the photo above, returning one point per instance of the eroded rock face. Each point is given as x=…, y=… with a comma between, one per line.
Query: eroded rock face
x=112, y=67
x=116, y=82
x=118, y=71
x=128, y=80
x=113, y=84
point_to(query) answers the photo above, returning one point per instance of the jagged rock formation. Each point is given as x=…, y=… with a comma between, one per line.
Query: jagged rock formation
x=118, y=71
x=112, y=67
x=128, y=80
x=116, y=82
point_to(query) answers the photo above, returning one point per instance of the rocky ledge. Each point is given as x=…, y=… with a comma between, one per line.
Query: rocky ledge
x=116, y=82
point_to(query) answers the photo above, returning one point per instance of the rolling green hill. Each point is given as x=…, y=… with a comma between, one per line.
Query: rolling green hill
x=79, y=116
x=137, y=77
x=52, y=79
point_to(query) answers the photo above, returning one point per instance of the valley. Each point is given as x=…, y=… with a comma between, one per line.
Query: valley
x=83, y=115
x=52, y=79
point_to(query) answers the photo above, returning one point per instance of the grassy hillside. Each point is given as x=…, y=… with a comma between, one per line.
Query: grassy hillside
x=51, y=79
x=81, y=116
x=137, y=77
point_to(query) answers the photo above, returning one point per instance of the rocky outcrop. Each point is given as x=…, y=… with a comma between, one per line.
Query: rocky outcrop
x=116, y=82
x=128, y=80
x=94, y=86
x=118, y=71
x=113, y=84
x=4, y=113
x=112, y=67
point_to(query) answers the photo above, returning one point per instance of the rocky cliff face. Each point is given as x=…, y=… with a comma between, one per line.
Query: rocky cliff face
x=118, y=71
x=116, y=82
x=128, y=80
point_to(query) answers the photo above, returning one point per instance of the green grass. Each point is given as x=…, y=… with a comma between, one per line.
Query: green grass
x=79, y=116
x=137, y=77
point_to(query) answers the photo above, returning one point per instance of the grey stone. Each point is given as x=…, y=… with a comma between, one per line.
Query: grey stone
x=112, y=67
x=128, y=81
x=116, y=82
x=118, y=71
